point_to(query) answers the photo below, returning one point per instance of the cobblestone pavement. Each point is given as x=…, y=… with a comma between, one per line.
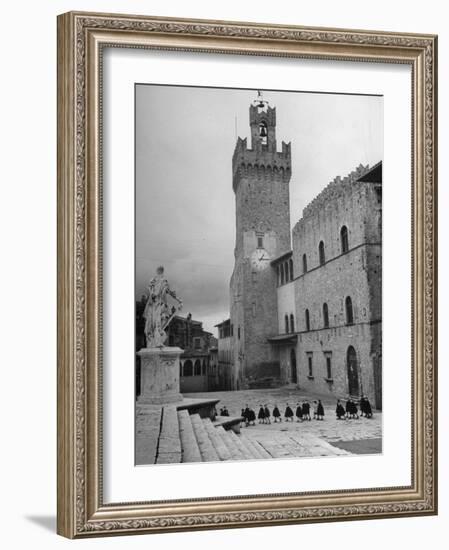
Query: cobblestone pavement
x=308, y=438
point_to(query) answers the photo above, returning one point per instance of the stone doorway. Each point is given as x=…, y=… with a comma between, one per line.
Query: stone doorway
x=293, y=366
x=353, y=371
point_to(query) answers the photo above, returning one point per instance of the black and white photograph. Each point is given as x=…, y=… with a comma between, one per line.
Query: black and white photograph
x=258, y=274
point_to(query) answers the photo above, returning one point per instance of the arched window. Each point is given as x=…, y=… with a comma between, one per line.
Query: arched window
x=188, y=368
x=290, y=263
x=282, y=274
x=292, y=323
x=197, y=368
x=325, y=316
x=344, y=239
x=304, y=263
x=287, y=276
x=349, y=311
x=321, y=253
x=307, y=320
x=286, y=323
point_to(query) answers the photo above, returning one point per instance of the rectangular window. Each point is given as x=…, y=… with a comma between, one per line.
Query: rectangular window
x=259, y=241
x=379, y=194
x=238, y=333
x=329, y=367
x=197, y=343
x=310, y=365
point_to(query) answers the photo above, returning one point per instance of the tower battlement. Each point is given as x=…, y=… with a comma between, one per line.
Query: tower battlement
x=261, y=160
x=260, y=164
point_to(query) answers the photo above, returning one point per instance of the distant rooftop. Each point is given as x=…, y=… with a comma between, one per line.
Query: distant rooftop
x=227, y=321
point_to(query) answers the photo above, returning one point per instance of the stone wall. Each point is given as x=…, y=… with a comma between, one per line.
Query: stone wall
x=355, y=272
x=286, y=306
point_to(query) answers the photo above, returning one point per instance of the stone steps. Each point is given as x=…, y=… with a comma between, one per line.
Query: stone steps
x=217, y=440
x=190, y=438
x=169, y=446
x=234, y=451
x=189, y=445
x=201, y=440
x=148, y=423
x=242, y=444
x=207, y=450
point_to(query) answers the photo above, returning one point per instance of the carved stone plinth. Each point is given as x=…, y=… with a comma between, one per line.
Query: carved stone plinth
x=159, y=375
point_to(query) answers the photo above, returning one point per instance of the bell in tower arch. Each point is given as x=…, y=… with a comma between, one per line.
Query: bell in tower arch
x=263, y=133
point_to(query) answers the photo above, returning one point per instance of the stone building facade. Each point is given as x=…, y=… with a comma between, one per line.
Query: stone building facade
x=198, y=345
x=333, y=340
x=225, y=356
x=261, y=176
x=306, y=305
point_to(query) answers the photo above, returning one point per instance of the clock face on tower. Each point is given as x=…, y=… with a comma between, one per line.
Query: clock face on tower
x=260, y=259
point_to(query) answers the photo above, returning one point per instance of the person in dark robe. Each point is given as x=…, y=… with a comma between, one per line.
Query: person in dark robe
x=277, y=414
x=288, y=413
x=261, y=415
x=340, y=411
x=362, y=405
x=306, y=410
x=348, y=408
x=298, y=412
x=243, y=421
x=353, y=409
x=367, y=410
x=225, y=411
x=320, y=410
x=267, y=419
x=221, y=411
x=315, y=409
x=252, y=417
x=247, y=415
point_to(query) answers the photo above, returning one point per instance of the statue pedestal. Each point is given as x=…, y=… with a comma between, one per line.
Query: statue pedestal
x=159, y=375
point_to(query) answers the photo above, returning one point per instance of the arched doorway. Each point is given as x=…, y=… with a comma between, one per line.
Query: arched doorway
x=353, y=371
x=188, y=368
x=293, y=366
x=197, y=368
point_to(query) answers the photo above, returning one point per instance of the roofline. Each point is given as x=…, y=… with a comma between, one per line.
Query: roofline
x=223, y=322
x=282, y=257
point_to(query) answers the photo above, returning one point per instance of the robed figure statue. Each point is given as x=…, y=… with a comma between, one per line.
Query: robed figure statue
x=157, y=313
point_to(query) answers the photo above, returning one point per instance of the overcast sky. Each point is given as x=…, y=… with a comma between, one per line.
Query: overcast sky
x=185, y=210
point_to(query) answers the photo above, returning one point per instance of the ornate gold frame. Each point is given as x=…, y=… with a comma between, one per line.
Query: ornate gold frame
x=81, y=37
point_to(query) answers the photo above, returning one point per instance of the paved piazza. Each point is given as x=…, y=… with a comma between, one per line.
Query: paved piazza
x=301, y=439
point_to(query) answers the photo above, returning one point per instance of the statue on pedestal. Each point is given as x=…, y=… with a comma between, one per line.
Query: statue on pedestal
x=157, y=313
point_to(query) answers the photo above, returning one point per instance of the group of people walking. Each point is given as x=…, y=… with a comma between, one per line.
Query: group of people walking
x=351, y=410
x=304, y=411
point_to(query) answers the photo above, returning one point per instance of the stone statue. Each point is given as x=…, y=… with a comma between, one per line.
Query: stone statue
x=157, y=313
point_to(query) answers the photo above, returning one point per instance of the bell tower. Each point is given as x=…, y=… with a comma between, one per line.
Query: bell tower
x=261, y=177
